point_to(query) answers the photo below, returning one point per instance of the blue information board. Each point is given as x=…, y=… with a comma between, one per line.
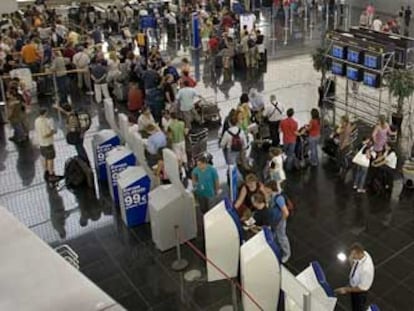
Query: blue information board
x=195, y=23
x=117, y=161
x=134, y=190
x=103, y=142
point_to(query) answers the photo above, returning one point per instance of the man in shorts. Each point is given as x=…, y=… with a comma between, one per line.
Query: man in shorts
x=45, y=133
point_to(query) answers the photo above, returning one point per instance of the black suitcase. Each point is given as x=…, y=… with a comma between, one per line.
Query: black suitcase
x=239, y=62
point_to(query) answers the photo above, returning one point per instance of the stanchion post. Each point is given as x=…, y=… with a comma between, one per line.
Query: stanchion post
x=56, y=89
x=291, y=20
x=327, y=16
x=234, y=296
x=179, y=264
x=305, y=20
x=3, y=117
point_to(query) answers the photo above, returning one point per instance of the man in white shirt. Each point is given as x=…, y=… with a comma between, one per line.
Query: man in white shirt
x=185, y=101
x=81, y=60
x=45, y=132
x=361, y=277
x=377, y=24
x=274, y=112
x=233, y=142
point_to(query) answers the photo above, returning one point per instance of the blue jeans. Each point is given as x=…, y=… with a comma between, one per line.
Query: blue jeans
x=313, y=146
x=290, y=154
x=19, y=130
x=360, y=176
x=281, y=238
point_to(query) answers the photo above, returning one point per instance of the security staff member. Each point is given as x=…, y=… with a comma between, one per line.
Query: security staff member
x=361, y=277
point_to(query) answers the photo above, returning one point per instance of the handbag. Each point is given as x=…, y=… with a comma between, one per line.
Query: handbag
x=361, y=159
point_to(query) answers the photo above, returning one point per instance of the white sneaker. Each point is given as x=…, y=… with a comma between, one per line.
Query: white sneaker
x=355, y=187
x=89, y=93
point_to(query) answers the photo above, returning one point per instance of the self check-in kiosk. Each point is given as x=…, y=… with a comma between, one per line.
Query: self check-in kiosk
x=260, y=272
x=110, y=114
x=117, y=160
x=136, y=144
x=314, y=280
x=219, y=222
x=123, y=123
x=171, y=206
x=133, y=188
x=102, y=142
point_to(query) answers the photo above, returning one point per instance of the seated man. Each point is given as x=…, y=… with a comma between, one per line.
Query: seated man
x=155, y=143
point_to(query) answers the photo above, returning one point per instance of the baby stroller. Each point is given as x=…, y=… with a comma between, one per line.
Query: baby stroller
x=260, y=131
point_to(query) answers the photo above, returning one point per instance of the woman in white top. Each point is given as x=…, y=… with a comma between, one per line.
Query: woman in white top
x=386, y=164
x=144, y=120
x=276, y=171
x=113, y=68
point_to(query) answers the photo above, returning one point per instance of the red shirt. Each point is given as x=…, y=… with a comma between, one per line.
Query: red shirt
x=289, y=127
x=191, y=81
x=314, y=128
x=135, y=99
x=227, y=21
x=213, y=44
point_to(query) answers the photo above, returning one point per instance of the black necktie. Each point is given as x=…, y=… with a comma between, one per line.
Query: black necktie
x=354, y=269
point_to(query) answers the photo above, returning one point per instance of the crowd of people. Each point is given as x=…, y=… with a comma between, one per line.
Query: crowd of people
x=162, y=100
x=398, y=24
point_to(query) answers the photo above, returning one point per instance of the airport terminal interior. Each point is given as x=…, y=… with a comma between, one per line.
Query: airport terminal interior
x=148, y=205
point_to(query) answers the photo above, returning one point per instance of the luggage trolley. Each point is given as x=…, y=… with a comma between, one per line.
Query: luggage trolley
x=208, y=111
x=196, y=145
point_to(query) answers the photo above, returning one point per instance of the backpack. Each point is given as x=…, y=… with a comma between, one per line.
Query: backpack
x=236, y=141
x=276, y=210
x=251, y=43
x=77, y=173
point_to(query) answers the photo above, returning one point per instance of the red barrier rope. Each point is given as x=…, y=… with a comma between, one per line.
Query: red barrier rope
x=237, y=284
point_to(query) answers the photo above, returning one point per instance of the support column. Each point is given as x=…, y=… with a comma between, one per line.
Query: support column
x=8, y=6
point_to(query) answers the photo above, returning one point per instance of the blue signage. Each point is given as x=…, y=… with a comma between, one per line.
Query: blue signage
x=195, y=22
x=101, y=150
x=234, y=179
x=117, y=168
x=135, y=201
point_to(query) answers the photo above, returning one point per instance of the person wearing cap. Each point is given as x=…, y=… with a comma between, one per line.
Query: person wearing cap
x=205, y=183
x=361, y=277
x=273, y=112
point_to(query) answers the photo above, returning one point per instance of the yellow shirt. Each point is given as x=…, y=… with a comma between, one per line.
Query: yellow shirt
x=29, y=53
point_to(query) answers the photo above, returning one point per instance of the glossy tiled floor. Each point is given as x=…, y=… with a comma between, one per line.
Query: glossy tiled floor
x=124, y=262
